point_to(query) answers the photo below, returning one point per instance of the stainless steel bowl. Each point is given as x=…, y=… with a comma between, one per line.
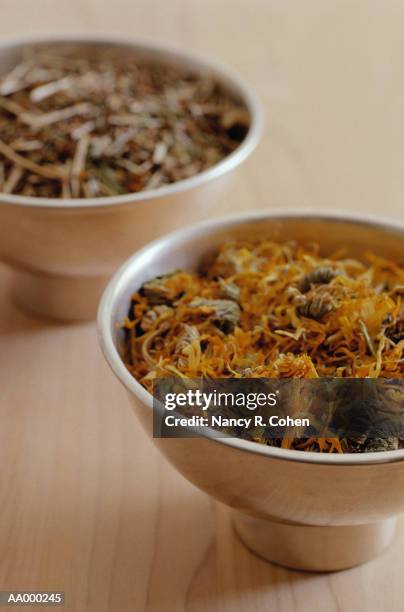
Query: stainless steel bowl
x=300, y=509
x=64, y=251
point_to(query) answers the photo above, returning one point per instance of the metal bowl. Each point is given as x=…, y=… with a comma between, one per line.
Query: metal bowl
x=64, y=250
x=304, y=510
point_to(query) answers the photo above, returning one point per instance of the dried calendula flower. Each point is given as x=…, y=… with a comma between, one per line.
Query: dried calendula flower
x=290, y=366
x=368, y=339
x=188, y=347
x=80, y=126
x=229, y=290
x=247, y=314
x=232, y=261
x=153, y=315
x=224, y=313
x=396, y=334
x=316, y=306
x=189, y=335
x=382, y=444
x=321, y=275
x=157, y=291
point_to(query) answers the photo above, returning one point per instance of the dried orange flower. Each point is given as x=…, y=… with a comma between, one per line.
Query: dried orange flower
x=264, y=309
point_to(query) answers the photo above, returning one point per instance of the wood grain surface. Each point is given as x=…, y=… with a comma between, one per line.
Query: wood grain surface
x=87, y=505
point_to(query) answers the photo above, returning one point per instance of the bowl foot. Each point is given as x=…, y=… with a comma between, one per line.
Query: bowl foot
x=312, y=548
x=61, y=298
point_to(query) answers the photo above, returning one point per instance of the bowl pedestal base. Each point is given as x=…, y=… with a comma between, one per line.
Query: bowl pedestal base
x=313, y=548
x=60, y=298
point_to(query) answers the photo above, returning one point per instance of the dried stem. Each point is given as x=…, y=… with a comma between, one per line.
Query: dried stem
x=23, y=162
x=107, y=125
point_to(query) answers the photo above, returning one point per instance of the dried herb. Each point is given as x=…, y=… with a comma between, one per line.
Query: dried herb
x=316, y=306
x=396, y=330
x=156, y=291
x=223, y=313
x=368, y=339
x=382, y=444
x=79, y=127
x=245, y=315
x=319, y=276
x=230, y=291
x=188, y=346
x=154, y=316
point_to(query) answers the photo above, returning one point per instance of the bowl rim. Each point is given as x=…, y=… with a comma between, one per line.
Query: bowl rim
x=219, y=69
x=139, y=259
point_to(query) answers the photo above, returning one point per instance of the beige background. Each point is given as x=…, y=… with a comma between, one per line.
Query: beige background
x=87, y=506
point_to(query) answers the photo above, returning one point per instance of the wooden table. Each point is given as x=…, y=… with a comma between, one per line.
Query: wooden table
x=87, y=504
